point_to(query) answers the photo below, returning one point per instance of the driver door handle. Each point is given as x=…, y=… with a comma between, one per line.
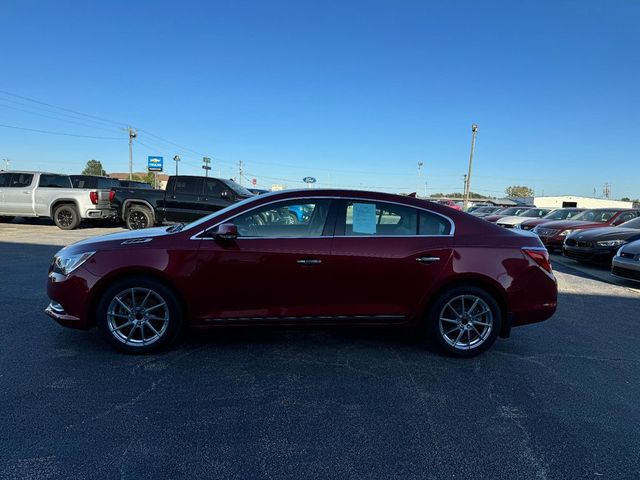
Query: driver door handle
x=427, y=259
x=309, y=261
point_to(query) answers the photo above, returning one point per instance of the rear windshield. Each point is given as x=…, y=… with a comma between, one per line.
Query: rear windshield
x=87, y=181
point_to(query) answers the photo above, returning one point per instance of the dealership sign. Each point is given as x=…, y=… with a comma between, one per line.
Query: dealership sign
x=155, y=164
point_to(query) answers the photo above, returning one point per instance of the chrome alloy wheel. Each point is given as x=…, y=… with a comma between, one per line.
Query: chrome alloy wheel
x=138, y=317
x=466, y=322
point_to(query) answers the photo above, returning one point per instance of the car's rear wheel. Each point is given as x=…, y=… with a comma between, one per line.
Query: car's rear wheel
x=139, y=217
x=139, y=315
x=6, y=219
x=465, y=321
x=66, y=217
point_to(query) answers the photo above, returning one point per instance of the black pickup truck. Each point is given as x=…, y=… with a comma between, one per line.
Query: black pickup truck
x=185, y=199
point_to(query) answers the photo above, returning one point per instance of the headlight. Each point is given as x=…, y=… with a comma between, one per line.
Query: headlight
x=65, y=264
x=564, y=233
x=517, y=225
x=611, y=243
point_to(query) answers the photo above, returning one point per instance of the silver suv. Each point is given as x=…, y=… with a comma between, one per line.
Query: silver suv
x=40, y=194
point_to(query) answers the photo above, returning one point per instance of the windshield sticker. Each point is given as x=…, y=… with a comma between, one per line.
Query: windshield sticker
x=364, y=218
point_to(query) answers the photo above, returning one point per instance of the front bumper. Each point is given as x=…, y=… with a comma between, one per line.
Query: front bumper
x=589, y=254
x=56, y=311
x=626, y=268
x=70, y=298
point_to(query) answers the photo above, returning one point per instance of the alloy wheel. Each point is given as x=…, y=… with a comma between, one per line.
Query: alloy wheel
x=138, y=317
x=65, y=218
x=138, y=220
x=466, y=322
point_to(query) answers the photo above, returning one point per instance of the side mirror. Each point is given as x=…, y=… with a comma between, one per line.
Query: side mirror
x=226, y=231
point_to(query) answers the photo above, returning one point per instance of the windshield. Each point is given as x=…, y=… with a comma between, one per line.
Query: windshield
x=635, y=223
x=239, y=189
x=562, y=214
x=219, y=213
x=598, y=216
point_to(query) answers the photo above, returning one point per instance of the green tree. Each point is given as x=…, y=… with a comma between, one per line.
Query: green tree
x=625, y=199
x=518, y=191
x=94, y=167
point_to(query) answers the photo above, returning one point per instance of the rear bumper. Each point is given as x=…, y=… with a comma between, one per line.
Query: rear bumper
x=100, y=213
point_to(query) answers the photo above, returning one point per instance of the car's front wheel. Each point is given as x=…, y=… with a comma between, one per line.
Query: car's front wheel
x=139, y=315
x=465, y=321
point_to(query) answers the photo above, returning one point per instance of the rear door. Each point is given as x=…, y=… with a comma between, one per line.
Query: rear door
x=48, y=189
x=276, y=270
x=182, y=202
x=385, y=257
x=18, y=196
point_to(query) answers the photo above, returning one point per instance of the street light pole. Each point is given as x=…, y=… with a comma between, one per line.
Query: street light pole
x=132, y=134
x=467, y=190
x=176, y=159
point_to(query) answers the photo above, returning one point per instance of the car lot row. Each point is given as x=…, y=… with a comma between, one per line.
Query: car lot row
x=603, y=236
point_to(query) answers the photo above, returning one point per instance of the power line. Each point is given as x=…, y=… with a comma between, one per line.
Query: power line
x=59, y=133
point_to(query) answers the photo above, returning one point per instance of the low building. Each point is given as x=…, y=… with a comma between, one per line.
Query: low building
x=162, y=178
x=564, y=201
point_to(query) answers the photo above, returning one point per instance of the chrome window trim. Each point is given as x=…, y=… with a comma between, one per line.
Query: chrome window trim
x=450, y=234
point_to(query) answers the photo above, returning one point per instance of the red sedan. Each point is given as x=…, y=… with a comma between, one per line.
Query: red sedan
x=352, y=257
x=554, y=233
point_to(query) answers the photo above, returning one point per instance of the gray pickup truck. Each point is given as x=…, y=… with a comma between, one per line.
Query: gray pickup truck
x=41, y=194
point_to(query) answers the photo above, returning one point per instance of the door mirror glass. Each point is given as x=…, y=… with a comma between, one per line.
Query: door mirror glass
x=226, y=231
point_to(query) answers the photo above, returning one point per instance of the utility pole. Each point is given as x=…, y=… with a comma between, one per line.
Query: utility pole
x=7, y=164
x=606, y=190
x=176, y=159
x=240, y=172
x=132, y=134
x=467, y=190
x=464, y=186
x=420, y=165
x=206, y=165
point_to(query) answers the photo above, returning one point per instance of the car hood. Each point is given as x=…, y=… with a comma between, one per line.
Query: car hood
x=570, y=224
x=113, y=239
x=535, y=221
x=633, y=248
x=514, y=219
x=606, y=233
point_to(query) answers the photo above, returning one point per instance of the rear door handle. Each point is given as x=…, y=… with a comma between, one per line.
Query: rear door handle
x=427, y=259
x=309, y=261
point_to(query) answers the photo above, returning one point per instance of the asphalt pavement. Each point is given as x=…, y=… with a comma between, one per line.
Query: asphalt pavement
x=557, y=400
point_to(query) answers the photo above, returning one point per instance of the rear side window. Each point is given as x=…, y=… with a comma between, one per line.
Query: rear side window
x=4, y=179
x=186, y=185
x=432, y=224
x=107, y=183
x=54, y=181
x=378, y=218
x=21, y=180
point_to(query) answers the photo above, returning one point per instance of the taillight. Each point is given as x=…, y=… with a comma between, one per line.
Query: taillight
x=94, y=197
x=540, y=256
x=112, y=195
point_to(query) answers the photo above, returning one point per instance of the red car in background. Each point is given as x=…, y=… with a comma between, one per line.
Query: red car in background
x=354, y=258
x=554, y=233
x=560, y=214
x=507, y=212
x=450, y=204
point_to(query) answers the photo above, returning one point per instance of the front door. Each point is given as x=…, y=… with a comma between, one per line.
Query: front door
x=385, y=257
x=277, y=270
x=182, y=202
x=18, y=196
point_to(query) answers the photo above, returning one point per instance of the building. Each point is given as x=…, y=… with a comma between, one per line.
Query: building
x=563, y=201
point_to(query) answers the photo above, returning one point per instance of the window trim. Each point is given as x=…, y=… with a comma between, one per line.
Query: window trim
x=332, y=216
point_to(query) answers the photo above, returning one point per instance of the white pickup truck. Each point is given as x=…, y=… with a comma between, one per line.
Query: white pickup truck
x=40, y=194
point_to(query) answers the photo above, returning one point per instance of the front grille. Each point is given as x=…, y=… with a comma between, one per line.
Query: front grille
x=547, y=232
x=577, y=255
x=585, y=244
x=623, y=272
x=570, y=242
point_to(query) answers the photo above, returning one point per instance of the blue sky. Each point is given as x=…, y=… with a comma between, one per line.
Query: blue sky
x=353, y=93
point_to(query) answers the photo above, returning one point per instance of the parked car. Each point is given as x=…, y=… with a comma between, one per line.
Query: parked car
x=554, y=233
x=626, y=262
x=515, y=220
x=94, y=181
x=559, y=214
x=358, y=257
x=135, y=184
x=258, y=191
x=50, y=195
x=507, y=212
x=486, y=211
x=185, y=199
x=599, y=245
x=450, y=204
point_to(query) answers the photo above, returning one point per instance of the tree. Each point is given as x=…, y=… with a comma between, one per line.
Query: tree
x=625, y=199
x=94, y=167
x=518, y=191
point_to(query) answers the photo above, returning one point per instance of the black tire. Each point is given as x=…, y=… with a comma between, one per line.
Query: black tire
x=66, y=217
x=6, y=219
x=113, y=327
x=139, y=217
x=465, y=326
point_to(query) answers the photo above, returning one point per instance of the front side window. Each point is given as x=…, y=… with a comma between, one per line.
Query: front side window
x=299, y=218
x=213, y=188
x=21, y=180
x=54, y=181
x=4, y=179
